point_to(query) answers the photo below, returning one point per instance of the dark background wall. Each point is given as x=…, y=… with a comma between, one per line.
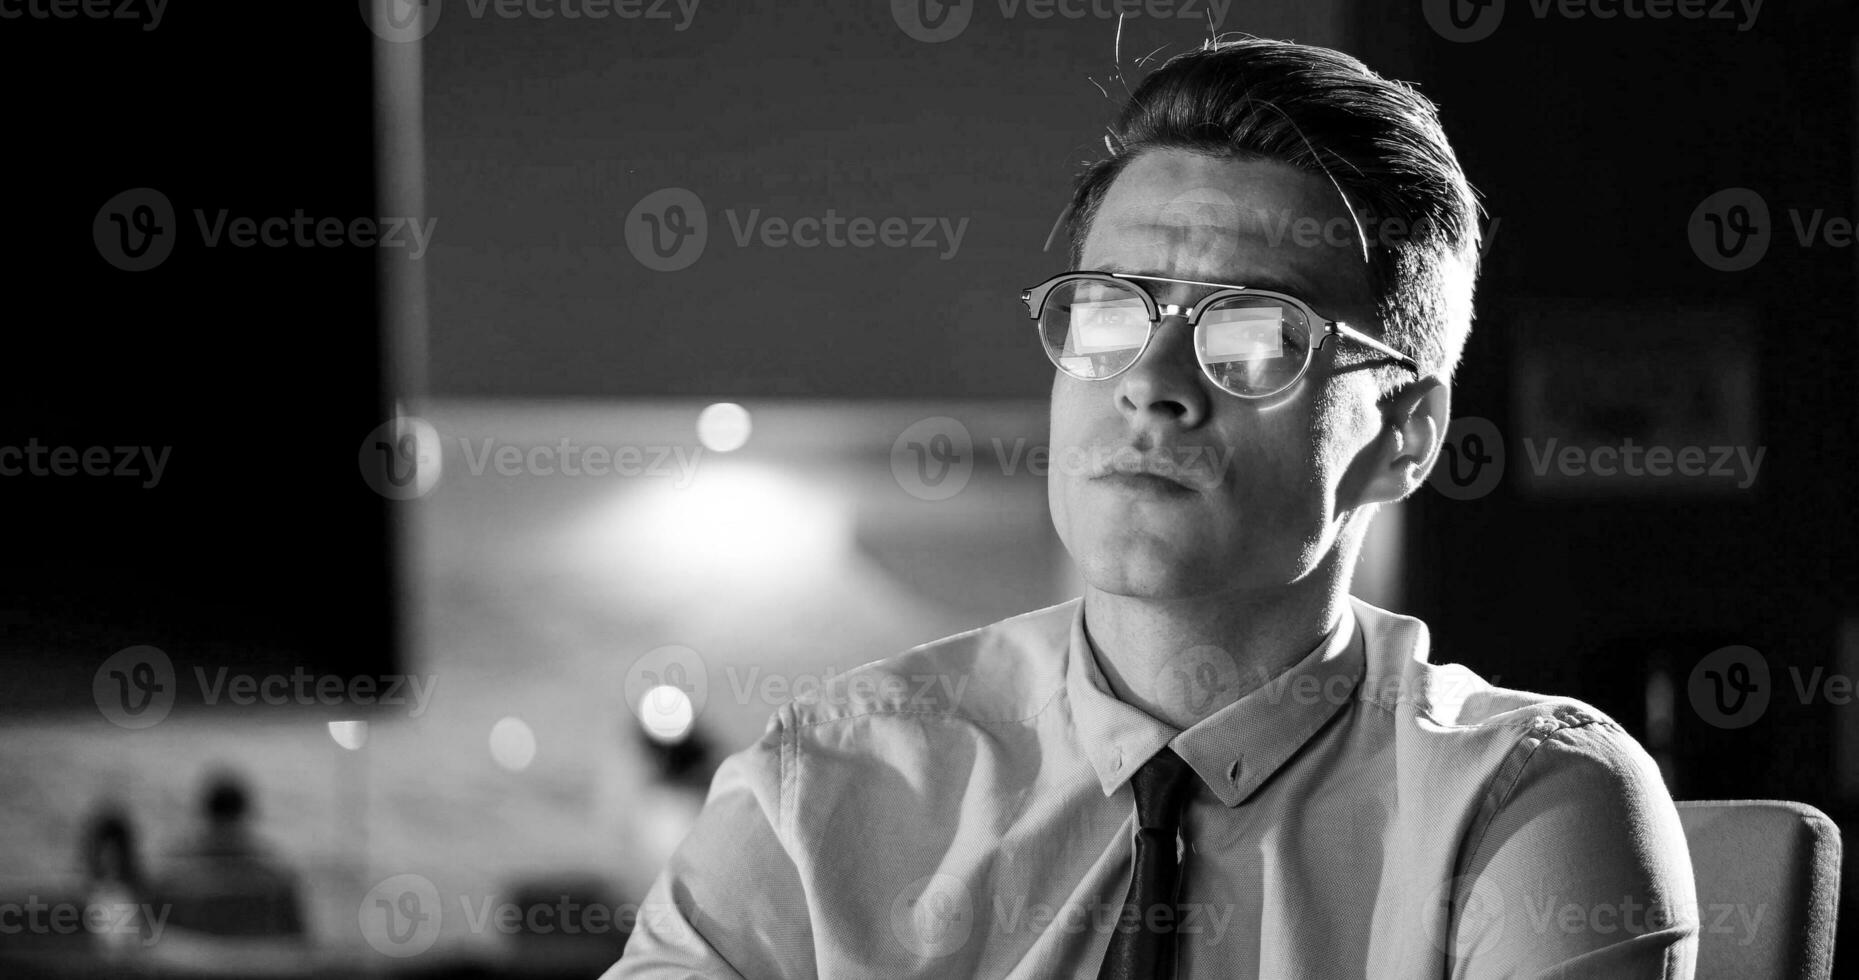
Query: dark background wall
x=543, y=135
x=1593, y=142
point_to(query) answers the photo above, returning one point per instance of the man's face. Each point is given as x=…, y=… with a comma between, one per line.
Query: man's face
x=1270, y=478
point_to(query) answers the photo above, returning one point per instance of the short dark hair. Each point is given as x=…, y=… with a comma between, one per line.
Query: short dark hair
x=1378, y=141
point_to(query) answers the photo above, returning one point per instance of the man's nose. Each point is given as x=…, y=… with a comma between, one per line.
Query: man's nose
x=1165, y=384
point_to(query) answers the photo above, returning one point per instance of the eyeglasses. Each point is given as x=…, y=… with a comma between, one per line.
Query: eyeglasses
x=1253, y=343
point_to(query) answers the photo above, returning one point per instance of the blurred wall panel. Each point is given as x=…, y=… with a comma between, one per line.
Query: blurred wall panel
x=551, y=145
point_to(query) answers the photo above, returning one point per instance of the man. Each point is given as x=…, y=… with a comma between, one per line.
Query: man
x=1217, y=762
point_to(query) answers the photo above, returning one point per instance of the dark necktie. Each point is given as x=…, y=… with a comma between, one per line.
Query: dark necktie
x=1143, y=943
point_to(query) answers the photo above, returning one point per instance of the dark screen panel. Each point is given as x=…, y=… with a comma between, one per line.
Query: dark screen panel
x=222, y=383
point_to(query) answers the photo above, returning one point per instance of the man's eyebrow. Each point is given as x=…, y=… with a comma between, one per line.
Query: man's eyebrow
x=1271, y=283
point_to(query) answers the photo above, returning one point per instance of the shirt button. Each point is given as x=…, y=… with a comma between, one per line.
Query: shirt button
x=1117, y=763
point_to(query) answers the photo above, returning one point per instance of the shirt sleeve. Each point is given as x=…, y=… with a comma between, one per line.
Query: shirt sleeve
x=729, y=904
x=1582, y=869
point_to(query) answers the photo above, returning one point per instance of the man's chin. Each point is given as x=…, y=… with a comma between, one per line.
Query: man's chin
x=1150, y=570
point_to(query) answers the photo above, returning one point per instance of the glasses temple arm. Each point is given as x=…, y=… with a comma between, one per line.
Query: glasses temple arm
x=1345, y=330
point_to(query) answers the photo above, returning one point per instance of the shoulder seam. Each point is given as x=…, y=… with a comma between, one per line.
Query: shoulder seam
x=789, y=763
x=943, y=714
x=1497, y=801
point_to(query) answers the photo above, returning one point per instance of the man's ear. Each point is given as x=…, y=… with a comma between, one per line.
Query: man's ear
x=1413, y=421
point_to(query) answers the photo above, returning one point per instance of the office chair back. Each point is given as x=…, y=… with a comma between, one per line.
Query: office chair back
x=1768, y=878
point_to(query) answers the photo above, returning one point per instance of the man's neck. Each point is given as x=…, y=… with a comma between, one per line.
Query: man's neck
x=1181, y=660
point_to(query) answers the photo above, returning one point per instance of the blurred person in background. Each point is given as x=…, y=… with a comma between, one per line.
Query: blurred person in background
x=227, y=882
x=1217, y=762
x=114, y=882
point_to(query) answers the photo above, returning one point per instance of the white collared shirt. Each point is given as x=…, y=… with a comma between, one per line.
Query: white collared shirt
x=962, y=810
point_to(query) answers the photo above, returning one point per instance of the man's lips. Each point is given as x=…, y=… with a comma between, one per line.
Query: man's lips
x=1145, y=481
x=1186, y=468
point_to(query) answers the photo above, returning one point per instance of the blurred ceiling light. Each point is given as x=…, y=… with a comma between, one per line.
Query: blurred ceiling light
x=513, y=744
x=666, y=713
x=723, y=427
x=351, y=735
x=741, y=526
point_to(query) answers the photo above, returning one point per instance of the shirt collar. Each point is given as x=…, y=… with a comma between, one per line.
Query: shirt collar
x=1235, y=749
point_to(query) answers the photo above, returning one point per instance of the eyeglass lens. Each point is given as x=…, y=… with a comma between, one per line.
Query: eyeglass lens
x=1250, y=345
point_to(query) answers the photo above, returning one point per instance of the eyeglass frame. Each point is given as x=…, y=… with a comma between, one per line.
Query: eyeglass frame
x=1035, y=299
